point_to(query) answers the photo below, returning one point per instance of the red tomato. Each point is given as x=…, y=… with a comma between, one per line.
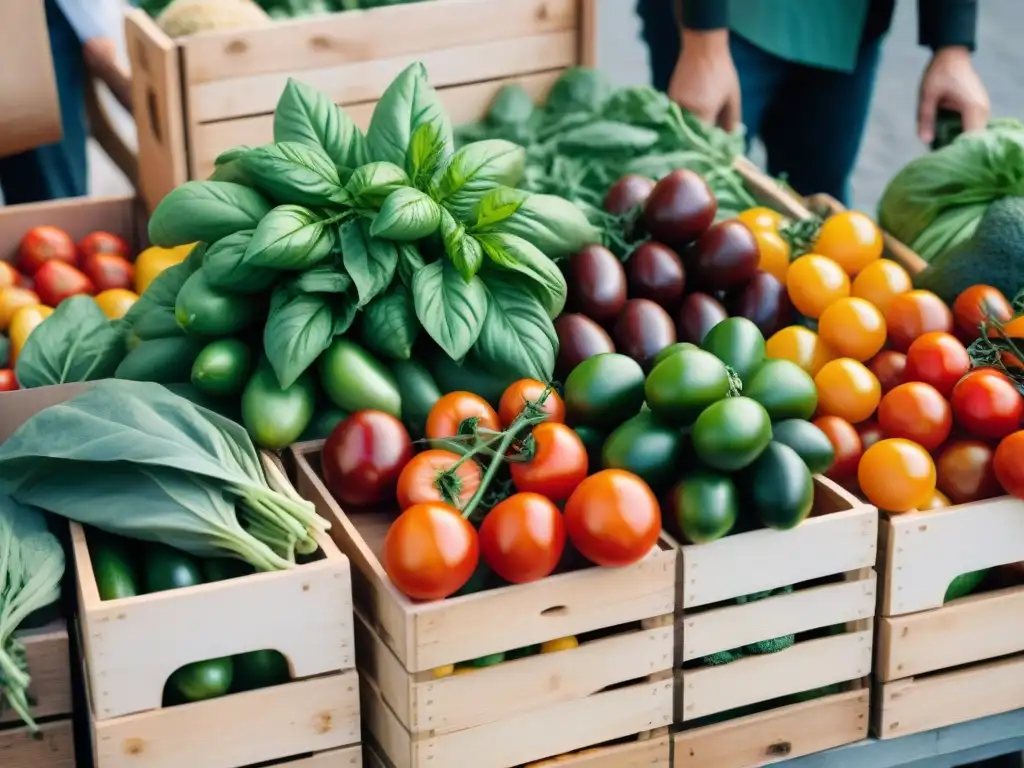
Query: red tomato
x=518, y=393
x=455, y=410
x=557, y=466
x=107, y=270
x=56, y=281
x=916, y=411
x=897, y=475
x=425, y=479
x=870, y=432
x=613, y=518
x=43, y=244
x=938, y=359
x=914, y=314
x=966, y=471
x=987, y=404
x=847, y=444
x=978, y=303
x=7, y=381
x=102, y=243
x=430, y=551
x=1009, y=464
x=363, y=457
x=522, y=538
x=889, y=368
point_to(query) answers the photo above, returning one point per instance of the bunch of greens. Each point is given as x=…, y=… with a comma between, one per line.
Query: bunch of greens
x=288, y=9
x=31, y=567
x=135, y=460
x=587, y=135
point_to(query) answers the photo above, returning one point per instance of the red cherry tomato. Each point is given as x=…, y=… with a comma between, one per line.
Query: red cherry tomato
x=451, y=411
x=847, y=445
x=557, y=466
x=914, y=314
x=870, y=432
x=1009, y=464
x=430, y=551
x=613, y=518
x=518, y=393
x=7, y=381
x=522, y=538
x=889, y=368
x=108, y=270
x=43, y=244
x=423, y=479
x=102, y=243
x=978, y=303
x=916, y=411
x=966, y=471
x=363, y=457
x=938, y=359
x=987, y=404
x=56, y=281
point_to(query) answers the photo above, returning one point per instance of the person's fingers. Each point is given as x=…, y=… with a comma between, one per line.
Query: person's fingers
x=927, y=107
x=729, y=118
x=974, y=116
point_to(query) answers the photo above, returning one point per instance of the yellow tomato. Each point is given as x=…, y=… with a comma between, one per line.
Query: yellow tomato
x=22, y=324
x=939, y=500
x=761, y=218
x=847, y=389
x=560, y=644
x=446, y=671
x=13, y=298
x=115, y=302
x=773, y=253
x=801, y=346
x=880, y=282
x=814, y=282
x=897, y=475
x=851, y=239
x=853, y=328
x=8, y=275
x=152, y=261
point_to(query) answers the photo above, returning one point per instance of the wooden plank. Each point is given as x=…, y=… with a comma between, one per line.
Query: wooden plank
x=346, y=757
x=54, y=749
x=646, y=753
x=588, y=33
x=46, y=653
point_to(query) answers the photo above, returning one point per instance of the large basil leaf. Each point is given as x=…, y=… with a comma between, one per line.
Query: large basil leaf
x=228, y=168
x=408, y=103
x=290, y=172
x=225, y=265
x=345, y=307
x=512, y=106
x=162, y=293
x=475, y=170
x=370, y=184
x=497, y=205
x=450, y=309
x=407, y=215
x=370, y=261
x=76, y=343
x=327, y=278
x=205, y=211
x=428, y=150
x=299, y=327
x=306, y=116
x=517, y=337
x=516, y=254
x=390, y=326
x=410, y=261
x=553, y=224
x=579, y=89
x=290, y=237
x=462, y=248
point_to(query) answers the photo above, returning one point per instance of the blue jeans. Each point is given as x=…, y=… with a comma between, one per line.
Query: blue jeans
x=811, y=120
x=55, y=170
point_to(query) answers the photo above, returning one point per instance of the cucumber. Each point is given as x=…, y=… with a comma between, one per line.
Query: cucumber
x=964, y=584
x=810, y=443
x=706, y=505
x=203, y=679
x=275, y=417
x=260, y=669
x=165, y=361
x=323, y=423
x=113, y=566
x=778, y=487
x=207, y=311
x=355, y=380
x=223, y=568
x=158, y=323
x=167, y=568
x=222, y=368
x=419, y=393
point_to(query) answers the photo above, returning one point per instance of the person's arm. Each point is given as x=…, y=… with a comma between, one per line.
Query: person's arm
x=947, y=23
x=705, y=80
x=95, y=23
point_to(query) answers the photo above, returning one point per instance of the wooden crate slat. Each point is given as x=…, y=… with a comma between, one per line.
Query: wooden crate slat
x=642, y=753
x=380, y=33
x=346, y=757
x=46, y=653
x=55, y=748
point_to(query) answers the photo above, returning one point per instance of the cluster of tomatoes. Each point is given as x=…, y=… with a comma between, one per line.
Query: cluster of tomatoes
x=509, y=486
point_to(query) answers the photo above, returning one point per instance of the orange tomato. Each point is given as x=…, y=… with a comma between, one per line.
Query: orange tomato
x=880, y=282
x=457, y=408
x=518, y=393
x=815, y=282
x=851, y=239
x=1014, y=330
x=613, y=518
x=916, y=411
x=430, y=551
x=897, y=475
x=418, y=481
x=761, y=218
x=13, y=298
x=773, y=253
x=915, y=313
x=25, y=320
x=801, y=346
x=853, y=328
x=847, y=389
x=115, y=302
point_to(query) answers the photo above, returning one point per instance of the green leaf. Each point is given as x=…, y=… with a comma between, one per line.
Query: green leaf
x=463, y=249
x=410, y=261
x=579, y=89
x=428, y=150
x=450, y=309
x=76, y=343
x=390, y=326
x=306, y=116
x=408, y=103
x=162, y=293
x=607, y=137
x=516, y=254
x=407, y=215
x=344, y=308
x=225, y=265
x=205, y=211
x=497, y=205
x=512, y=106
x=299, y=327
x=290, y=172
x=370, y=184
x=290, y=237
x=474, y=171
x=370, y=261
x=517, y=337
x=552, y=224
x=323, y=279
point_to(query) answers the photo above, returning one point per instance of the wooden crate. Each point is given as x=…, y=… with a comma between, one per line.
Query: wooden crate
x=197, y=96
x=614, y=687
x=828, y=559
x=56, y=748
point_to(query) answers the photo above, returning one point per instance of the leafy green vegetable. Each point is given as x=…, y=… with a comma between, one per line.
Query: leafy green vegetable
x=371, y=262
x=407, y=215
x=516, y=254
x=291, y=172
x=290, y=237
x=205, y=211
x=517, y=337
x=389, y=323
x=225, y=265
x=475, y=170
x=371, y=184
x=299, y=327
x=306, y=116
x=451, y=309
x=405, y=105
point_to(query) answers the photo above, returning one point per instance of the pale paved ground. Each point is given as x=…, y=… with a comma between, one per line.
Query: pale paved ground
x=890, y=141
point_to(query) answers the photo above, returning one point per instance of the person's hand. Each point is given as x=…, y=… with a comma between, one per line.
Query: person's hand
x=705, y=80
x=950, y=82
x=101, y=61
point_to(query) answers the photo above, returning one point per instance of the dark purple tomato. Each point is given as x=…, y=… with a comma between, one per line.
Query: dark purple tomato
x=764, y=302
x=597, y=283
x=698, y=315
x=643, y=330
x=579, y=337
x=363, y=456
x=725, y=256
x=656, y=273
x=680, y=209
x=627, y=193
